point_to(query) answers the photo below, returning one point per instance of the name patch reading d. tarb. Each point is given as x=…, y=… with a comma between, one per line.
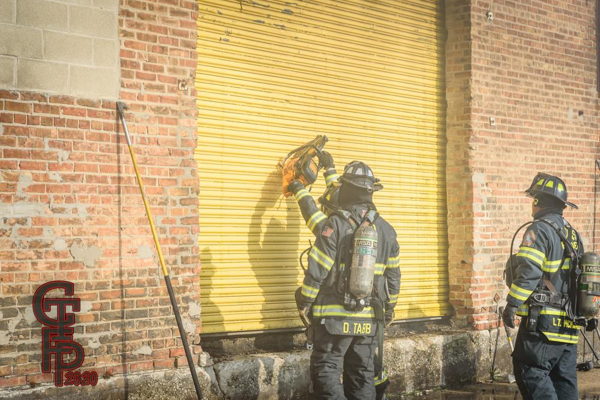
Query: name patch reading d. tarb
x=350, y=328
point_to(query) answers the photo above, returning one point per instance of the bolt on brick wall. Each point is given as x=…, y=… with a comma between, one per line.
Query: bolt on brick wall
x=70, y=207
x=533, y=70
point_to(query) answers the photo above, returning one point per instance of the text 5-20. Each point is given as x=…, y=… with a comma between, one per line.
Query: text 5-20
x=75, y=378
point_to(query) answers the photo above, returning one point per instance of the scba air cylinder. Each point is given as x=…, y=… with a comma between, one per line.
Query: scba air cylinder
x=588, y=302
x=364, y=254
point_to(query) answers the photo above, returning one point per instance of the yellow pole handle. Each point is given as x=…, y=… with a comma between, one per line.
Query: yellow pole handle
x=148, y=212
x=120, y=107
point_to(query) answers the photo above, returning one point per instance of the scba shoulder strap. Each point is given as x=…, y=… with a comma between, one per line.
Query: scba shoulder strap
x=370, y=216
x=574, y=253
x=570, y=250
x=347, y=216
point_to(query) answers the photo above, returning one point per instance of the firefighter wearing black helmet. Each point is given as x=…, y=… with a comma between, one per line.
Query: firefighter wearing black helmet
x=315, y=219
x=346, y=336
x=545, y=354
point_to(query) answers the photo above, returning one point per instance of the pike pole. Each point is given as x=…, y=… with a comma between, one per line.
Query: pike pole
x=120, y=107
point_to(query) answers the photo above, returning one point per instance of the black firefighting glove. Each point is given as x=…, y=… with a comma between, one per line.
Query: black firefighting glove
x=295, y=186
x=326, y=160
x=388, y=317
x=508, y=315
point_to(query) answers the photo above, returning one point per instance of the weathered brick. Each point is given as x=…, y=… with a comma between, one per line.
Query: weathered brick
x=141, y=366
x=164, y=364
x=17, y=106
x=73, y=151
x=12, y=381
x=483, y=182
x=27, y=369
x=5, y=370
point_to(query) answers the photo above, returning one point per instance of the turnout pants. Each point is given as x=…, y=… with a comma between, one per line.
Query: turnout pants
x=544, y=369
x=352, y=356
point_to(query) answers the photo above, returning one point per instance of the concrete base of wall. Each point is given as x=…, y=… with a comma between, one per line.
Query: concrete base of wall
x=414, y=363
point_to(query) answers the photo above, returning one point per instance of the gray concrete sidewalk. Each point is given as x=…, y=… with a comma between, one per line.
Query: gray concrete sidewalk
x=588, y=383
x=414, y=363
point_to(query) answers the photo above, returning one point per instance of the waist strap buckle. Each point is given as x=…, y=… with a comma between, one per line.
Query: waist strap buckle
x=540, y=298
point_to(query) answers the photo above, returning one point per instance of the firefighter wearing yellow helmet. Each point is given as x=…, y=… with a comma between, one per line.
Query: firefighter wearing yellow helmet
x=541, y=292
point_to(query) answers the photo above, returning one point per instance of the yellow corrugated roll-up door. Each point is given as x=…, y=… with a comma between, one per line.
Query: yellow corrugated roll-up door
x=271, y=76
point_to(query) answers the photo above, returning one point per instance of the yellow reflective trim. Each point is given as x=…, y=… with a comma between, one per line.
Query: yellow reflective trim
x=562, y=337
x=393, y=262
x=321, y=258
x=524, y=311
x=328, y=259
x=331, y=178
x=550, y=311
x=555, y=264
x=340, y=311
x=540, y=182
x=315, y=219
x=319, y=261
x=531, y=250
x=379, y=268
x=561, y=188
x=309, y=291
x=301, y=193
x=394, y=298
x=517, y=296
x=309, y=295
x=551, y=270
x=531, y=257
x=550, y=184
x=520, y=290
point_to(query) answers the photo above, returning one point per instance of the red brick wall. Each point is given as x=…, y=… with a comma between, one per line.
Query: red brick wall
x=458, y=171
x=532, y=69
x=71, y=207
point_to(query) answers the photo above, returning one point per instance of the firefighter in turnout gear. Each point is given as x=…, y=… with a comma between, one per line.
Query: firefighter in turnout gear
x=315, y=219
x=346, y=333
x=545, y=354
